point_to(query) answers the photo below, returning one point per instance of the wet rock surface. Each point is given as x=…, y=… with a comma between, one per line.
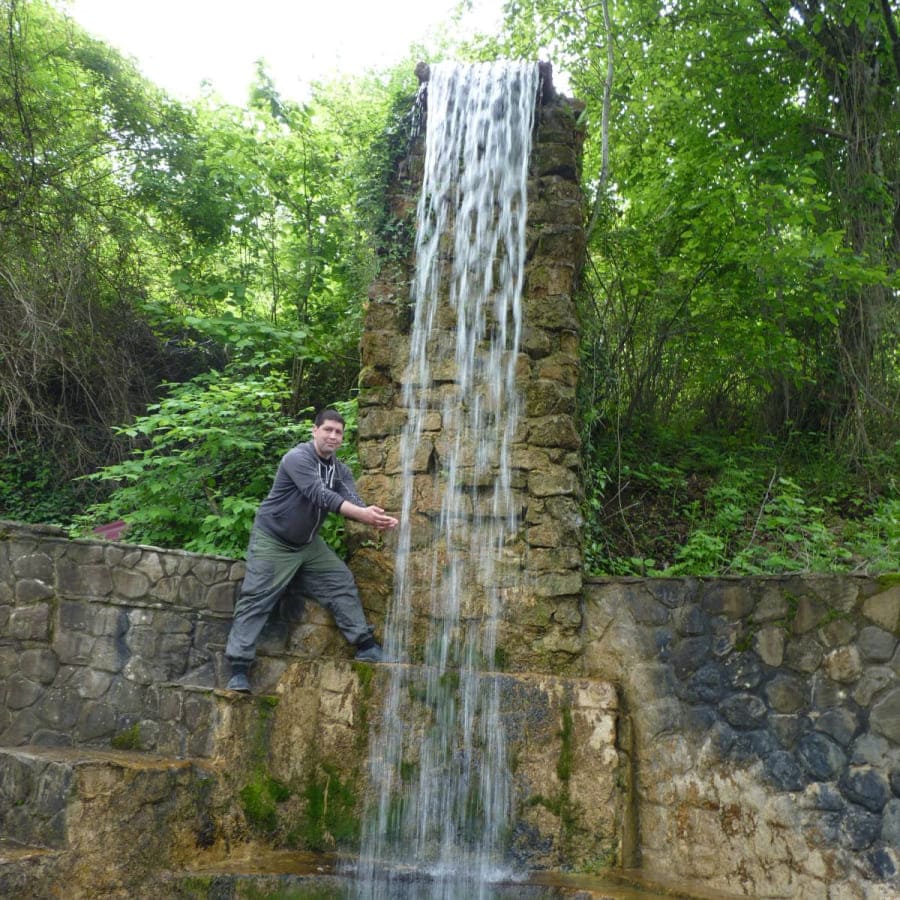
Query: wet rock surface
x=765, y=713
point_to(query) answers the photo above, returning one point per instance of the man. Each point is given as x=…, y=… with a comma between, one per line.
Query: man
x=285, y=543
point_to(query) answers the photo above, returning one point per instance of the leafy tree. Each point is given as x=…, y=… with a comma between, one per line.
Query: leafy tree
x=208, y=450
x=727, y=262
x=75, y=355
x=742, y=172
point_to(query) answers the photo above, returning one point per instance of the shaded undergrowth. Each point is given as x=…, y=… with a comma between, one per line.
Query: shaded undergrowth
x=662, y=504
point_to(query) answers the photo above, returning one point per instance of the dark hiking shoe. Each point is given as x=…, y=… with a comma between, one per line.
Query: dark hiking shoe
x=239, y=682
x=373, y=654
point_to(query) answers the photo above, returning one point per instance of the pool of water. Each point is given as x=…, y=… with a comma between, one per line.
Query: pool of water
x=292, y=875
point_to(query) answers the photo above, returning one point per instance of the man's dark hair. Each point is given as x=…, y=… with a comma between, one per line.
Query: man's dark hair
x=324, y=415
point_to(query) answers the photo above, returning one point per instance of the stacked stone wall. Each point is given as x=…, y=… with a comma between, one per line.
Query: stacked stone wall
x=764, y=716
x=759, y=718
x=103, y=642
x=540, y=572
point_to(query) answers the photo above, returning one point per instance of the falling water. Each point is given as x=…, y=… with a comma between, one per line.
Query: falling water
x=438, y=760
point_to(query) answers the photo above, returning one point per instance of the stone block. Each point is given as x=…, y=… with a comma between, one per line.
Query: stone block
x=784, y=771
x=76, y=579
x=743, y=711
x=859, y=828
x=884, y=608
x=884, y=718
x=553, y=431
x=876, y=645
x=866, y=787
x=31, y=590
x=37, y=566
x=221, y=597
x=545, y=397
x=820, y=756
x=127, y=698
x=95, y=720
x=787, y=693
x=192, y=592
x=838, y=632
x=838, y=722
x=58, y=709
x=689, y=654
x=843, y=664
x=22, y=692
x=39, y=664
x=646, y=609
x=772, y=605
x=744, y=670
x=706, y=685
x=809, y=614
x=130, y=584
x=30, y=623
x=803, y=654
x=41, y=790
x=874, y=750
x=85, y=553
x=557, y=559
x=690, y=620
x=787, y=729
x=9, y=661
x=826, y=693
x=73, y=647
x=769, y=645
x=873, y=681
x=729, y=599
x=890, y=823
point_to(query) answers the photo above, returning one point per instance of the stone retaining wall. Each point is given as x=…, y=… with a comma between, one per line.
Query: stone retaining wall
x=765, y=719
x=99, y=640
x=760, y=717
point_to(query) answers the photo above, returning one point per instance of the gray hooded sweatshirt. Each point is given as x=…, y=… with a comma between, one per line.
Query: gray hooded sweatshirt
x=305, y=490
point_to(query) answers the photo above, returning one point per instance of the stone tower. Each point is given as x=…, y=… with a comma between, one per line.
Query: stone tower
x=540, y=573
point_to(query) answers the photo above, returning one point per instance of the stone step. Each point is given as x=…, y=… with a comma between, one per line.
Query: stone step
x=111, y=816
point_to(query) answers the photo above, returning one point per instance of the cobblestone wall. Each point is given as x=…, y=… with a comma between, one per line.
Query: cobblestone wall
x=99, y=640
x=761, y=716
x=765, y=719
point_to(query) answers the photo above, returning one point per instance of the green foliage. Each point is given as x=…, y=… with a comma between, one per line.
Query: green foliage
x=742, y=258
x=208, y=455
x=716, y=506
x=31, y=489
x=208, y=461
x=75, y=356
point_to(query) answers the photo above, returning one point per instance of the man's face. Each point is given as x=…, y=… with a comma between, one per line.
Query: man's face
x=327, y=437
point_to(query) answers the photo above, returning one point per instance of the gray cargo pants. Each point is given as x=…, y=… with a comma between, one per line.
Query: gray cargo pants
x=320, y=574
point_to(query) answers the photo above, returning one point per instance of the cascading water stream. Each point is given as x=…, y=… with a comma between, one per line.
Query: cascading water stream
x=438, y=760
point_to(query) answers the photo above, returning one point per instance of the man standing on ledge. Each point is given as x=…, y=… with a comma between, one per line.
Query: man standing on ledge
x=285, y=542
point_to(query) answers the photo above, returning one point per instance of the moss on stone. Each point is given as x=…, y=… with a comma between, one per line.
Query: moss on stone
x=364, y=673
x=127, y=739
x=607, y=856
x=331, y=819
x=194, y=887
x=564, y=763
x=259, y=799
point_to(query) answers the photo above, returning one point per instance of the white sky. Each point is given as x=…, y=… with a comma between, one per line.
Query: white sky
x=180, y=43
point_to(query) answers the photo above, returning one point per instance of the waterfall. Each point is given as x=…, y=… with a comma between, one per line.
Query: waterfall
x=438, y=763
